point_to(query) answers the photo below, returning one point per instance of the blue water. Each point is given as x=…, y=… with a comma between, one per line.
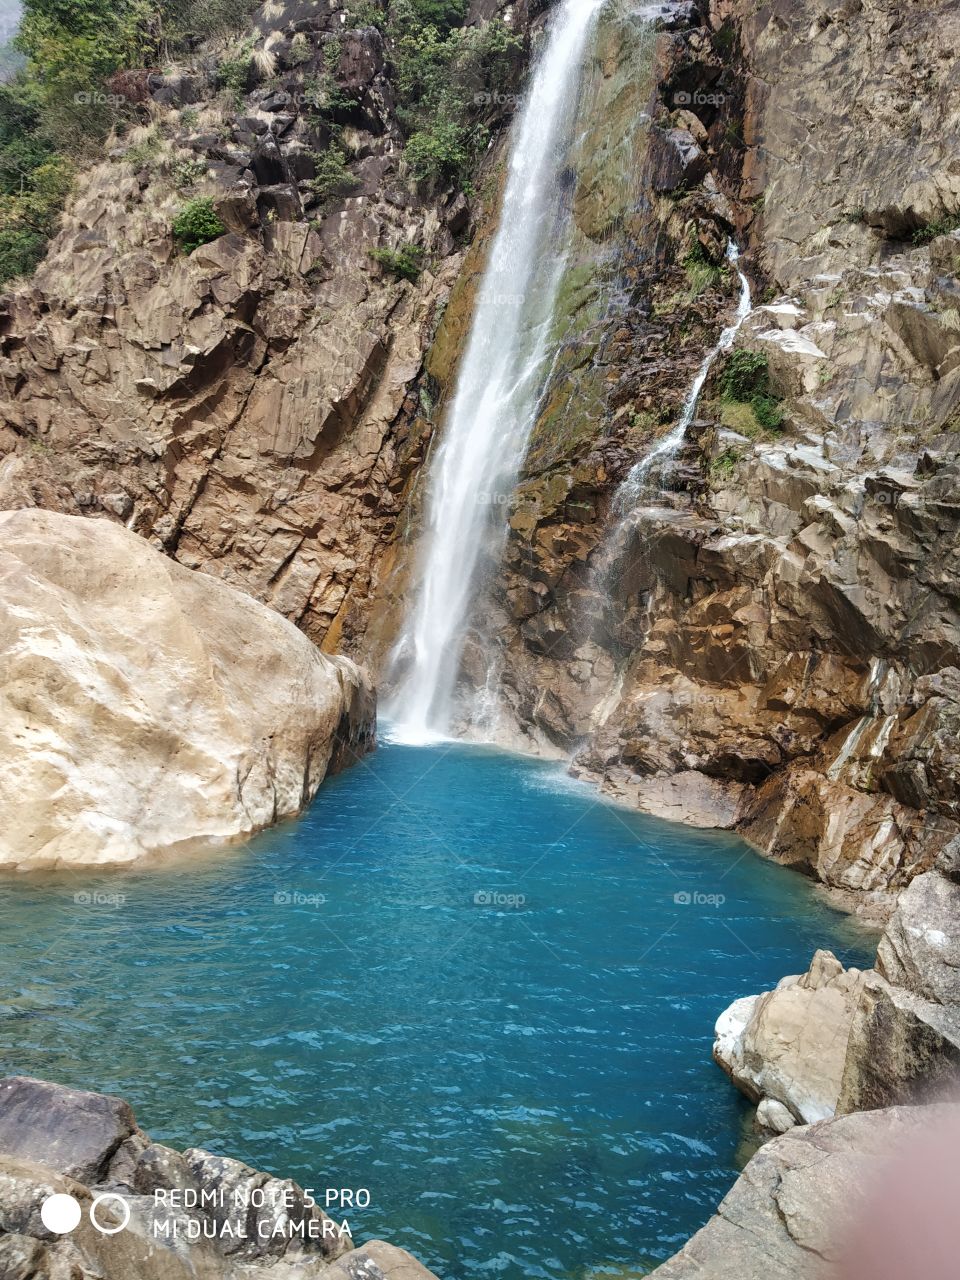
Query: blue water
x=525, y=1088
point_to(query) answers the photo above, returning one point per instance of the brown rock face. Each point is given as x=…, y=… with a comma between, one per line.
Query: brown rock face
x=250, y=408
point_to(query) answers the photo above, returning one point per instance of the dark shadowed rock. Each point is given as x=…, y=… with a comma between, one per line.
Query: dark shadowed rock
x=72, y=1131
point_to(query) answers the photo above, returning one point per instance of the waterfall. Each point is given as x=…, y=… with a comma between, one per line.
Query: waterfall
x=501, y=374
x=632, y=489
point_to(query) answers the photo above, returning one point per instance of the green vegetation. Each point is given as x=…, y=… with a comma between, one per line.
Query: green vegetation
x=235, y=73
x=86, y=63
x=367, y=13
x=196, y=224
x=723, y=465
x=745, y=374
x=939, y=227
x=702, y=273
x=332, y=177
x=405, y=262
x=745, y=380
x=446, y=77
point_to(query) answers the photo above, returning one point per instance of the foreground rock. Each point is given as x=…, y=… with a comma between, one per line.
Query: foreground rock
x=146, y=709
x=789, y=1046
x=836, y=1040
x=57, y=1140
x=787, y=1214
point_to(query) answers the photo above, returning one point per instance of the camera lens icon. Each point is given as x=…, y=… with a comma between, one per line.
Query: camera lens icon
x=106, y=1227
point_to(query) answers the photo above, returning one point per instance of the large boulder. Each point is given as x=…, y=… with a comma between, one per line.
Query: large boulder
x=147, y=709
x=788, y=1215
x=789, y=1045
x=837, y=1040
x=169, y=1215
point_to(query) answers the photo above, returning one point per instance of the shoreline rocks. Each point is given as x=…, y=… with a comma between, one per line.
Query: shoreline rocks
x=239, y=1224
x=788, y=1046
x=148, y=711
x=787, y=1217
x=834, y=1040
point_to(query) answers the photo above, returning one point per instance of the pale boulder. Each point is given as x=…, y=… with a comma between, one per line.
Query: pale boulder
x=789, y=1045
x=148, y=710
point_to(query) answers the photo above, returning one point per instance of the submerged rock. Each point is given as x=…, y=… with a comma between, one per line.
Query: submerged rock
x=191, y=1216
x=146, y=709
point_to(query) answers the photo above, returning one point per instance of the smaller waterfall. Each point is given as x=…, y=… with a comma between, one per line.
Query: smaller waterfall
x=632, y=489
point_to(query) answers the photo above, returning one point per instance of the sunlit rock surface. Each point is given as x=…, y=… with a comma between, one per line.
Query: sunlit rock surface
x=147, y=710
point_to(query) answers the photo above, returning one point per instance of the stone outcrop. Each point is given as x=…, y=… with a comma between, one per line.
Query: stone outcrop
x=240, y=1225
x=789, y=1045
x=147, y=710
x=792, y=1212
x=836, y=1040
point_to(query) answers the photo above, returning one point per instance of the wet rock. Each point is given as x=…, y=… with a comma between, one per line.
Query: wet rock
x=677, y=160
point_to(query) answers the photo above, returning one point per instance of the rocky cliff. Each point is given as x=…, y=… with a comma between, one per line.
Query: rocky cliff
x=767, y=636
x=248, y=406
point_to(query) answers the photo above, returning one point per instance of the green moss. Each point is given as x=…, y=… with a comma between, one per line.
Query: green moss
x=332, y=177
x=723, y=466
x=938, y=227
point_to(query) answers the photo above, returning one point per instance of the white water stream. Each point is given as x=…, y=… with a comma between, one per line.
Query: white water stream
x=488, y=424
x=632, y=489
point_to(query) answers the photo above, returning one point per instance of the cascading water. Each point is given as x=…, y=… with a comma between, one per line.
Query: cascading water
x=632, y=489
x=501, y=375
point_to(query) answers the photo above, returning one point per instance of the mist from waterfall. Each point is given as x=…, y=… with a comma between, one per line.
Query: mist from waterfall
x=502, y=372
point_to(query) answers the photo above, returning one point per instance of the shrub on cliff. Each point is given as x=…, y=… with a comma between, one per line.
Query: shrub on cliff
x=441, y=152
x=404, y=262
x=446, y=80
x=332, y=177
x=196, y=224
